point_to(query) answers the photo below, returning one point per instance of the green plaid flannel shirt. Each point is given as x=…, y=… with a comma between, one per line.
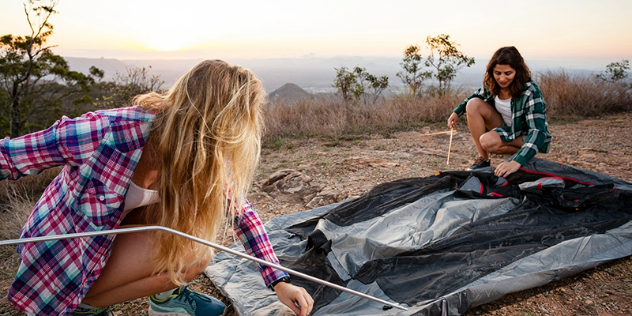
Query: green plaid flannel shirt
x=528, y=117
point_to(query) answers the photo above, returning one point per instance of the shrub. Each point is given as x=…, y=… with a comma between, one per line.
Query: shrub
x=569, y=95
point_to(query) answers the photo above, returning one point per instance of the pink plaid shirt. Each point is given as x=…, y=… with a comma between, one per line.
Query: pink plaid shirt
x=99, y=152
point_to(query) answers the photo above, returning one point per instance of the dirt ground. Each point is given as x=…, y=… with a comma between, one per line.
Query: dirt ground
x=351, y=166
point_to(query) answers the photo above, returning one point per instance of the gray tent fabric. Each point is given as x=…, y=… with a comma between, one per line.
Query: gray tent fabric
x=442, y=244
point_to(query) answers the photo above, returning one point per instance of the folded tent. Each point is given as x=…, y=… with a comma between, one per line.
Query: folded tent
x=442, y=244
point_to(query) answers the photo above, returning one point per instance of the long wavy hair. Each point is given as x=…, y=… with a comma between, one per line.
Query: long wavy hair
x=508, y=55
x=208, y=130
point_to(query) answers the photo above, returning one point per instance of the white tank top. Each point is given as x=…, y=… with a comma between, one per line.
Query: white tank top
x=137, y=197
x=504, y=108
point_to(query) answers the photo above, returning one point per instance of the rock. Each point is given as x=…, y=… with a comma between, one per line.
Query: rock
x=291, y=186
x=258, y=197
x=588, y=302
x=324, y=197
x=588, y=155
x=371, y=161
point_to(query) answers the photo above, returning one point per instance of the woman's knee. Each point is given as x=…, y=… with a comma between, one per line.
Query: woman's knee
x=490, y=142
x=198, y=268
x=474, y=106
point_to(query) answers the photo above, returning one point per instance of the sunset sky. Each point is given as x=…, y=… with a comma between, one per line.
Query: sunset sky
x=543, y=29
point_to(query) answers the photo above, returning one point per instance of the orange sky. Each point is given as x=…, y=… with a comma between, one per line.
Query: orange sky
x=267, y=29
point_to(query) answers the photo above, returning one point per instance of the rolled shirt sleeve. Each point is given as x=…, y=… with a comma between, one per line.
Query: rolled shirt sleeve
x=253, y=236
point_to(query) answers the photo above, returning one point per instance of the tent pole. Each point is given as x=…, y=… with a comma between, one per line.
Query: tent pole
x=201, y=241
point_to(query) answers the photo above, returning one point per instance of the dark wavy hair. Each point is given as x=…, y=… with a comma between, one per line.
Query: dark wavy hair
x=508, y=55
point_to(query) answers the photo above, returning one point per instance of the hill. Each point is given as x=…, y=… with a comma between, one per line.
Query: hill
x=289, y=92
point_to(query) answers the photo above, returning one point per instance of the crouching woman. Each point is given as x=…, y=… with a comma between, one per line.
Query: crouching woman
x=183, y=159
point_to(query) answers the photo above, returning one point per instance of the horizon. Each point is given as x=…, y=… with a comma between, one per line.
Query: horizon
x=316, y=74
x=553, y=30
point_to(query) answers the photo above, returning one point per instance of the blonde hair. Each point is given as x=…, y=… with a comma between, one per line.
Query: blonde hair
x=208, y=130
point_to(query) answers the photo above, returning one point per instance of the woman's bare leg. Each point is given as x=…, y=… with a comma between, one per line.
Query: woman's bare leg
x=129, y=273
x=492, y=143
x=481, y=115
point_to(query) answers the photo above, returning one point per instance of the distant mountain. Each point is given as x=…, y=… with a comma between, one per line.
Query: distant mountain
x=168, y=70
x=289, y=92
x=316, y=74
x=109, y=66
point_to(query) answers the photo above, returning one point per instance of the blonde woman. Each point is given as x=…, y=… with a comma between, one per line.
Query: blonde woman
x=183, y=159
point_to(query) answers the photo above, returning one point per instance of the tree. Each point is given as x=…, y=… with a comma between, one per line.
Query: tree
x=124, y=86
x=354, y=85
x=413, y=76
x=446, y=59
x=359, y=86
x=33, y=80
x=615, y=71
x=377, y=85
x=344, y=81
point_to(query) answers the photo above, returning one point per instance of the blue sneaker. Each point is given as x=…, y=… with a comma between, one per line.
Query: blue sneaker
x=184, y=302
x=99, y=311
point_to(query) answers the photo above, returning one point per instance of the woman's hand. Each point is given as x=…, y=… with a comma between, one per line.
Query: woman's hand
x=288, y=294
x=506, y=168
x=452, y=120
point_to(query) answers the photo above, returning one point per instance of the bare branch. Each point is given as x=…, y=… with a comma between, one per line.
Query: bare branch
x=28, y=19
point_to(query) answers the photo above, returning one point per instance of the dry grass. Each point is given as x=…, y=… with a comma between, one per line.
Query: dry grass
x=14, y=214
x=333, y=118
x=17, y=199
x=567, y=97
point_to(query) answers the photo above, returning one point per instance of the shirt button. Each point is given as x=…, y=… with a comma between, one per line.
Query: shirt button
x=101, y=198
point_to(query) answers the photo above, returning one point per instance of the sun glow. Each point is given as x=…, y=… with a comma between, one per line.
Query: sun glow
x=165, y=46
x=167, y=40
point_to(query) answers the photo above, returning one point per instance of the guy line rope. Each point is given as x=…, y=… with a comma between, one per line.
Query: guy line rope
x=451, y=131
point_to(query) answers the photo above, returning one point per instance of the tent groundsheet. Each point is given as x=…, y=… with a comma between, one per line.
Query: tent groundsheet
x=442, y=244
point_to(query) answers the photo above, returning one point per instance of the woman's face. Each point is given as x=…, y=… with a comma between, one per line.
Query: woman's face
x=504, y=75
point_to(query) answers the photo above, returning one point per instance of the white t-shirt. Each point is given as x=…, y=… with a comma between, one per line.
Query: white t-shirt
x=504, y=108
x=137, y=197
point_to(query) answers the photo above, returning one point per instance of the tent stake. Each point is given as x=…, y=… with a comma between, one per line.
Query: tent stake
x=201, y=241
x=450, y=145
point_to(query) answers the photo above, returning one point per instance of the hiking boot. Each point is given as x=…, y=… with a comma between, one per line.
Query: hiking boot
x=480, y=165
x=184, y=302
x=97, y=311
